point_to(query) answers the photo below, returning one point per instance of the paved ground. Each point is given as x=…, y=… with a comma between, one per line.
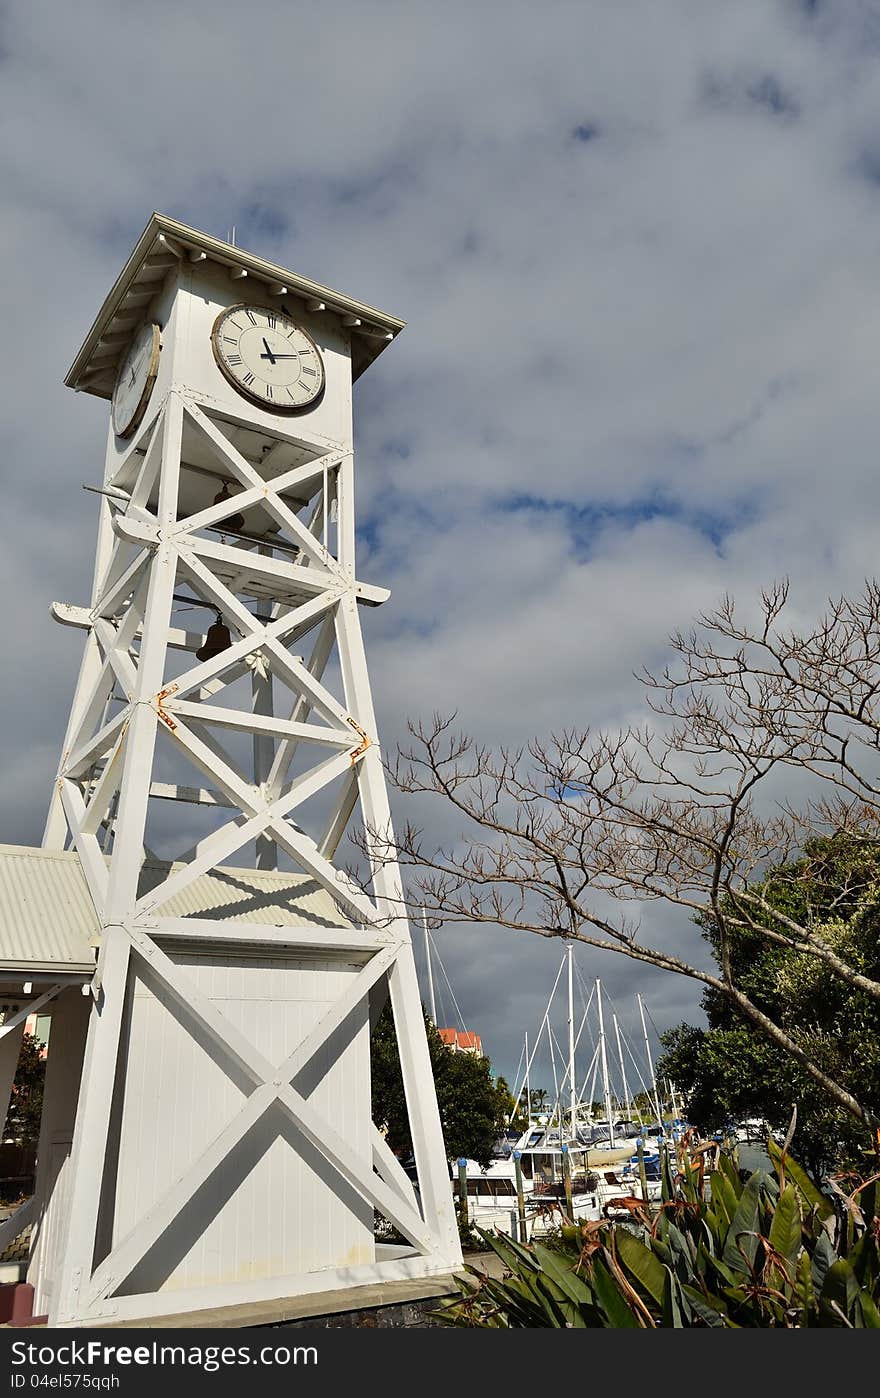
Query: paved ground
x=391, y=1305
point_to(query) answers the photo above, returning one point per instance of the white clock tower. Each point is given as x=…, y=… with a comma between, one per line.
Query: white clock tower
x=221, y=739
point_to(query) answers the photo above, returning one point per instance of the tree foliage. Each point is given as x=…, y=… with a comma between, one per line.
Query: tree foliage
x=26, y=1099
x=473, y=1108
x=729, y=1071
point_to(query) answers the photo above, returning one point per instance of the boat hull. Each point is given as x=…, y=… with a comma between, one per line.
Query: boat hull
x=598, y=1158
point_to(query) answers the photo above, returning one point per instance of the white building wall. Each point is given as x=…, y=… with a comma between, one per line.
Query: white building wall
x=283, y=1214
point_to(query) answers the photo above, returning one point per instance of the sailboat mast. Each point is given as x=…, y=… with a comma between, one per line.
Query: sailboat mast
x=605, y=1088
x=675, y=1109
x=571, y=1082
x=595, y=1067
x=620, y=1056
x=650, y=1063
x=430, y=971
x=528, y=1087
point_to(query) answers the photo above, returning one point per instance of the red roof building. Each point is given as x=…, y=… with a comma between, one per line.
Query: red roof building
x=461, y=1041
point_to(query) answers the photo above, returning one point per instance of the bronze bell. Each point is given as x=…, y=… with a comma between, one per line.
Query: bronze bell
x=217, y=640
x=235, y=522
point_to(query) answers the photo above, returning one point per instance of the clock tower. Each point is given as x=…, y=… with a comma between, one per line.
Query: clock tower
x=221, y=741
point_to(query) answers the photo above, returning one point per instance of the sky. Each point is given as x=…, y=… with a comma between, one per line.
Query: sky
x=637, y=247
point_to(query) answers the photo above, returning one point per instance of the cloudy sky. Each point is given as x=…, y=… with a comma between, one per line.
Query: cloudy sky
x=638, y=249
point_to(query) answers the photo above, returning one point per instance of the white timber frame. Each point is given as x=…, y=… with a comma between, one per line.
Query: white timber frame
x=125, y=714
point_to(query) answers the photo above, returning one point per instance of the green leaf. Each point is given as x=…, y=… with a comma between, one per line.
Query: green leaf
x=812, y=1196
x=710, y=1309
x=523, y=1305
x=672, y=1316
x=641, y=1264
x=516, y=1257
x=557, y=1300
x=683, y=1253
x=661, y=1249
x=865, y=1260
x=824, y=1257
x=689, y=1184
x=574, y=1286
x=667, y=1186
x=727, y=1166
x=840, y=1288
x=870, y=1314
x=785, y=1230
x=725, y=1200
x=701, y=1264
x=713, y=1229
x=576, y=1317
x=620, y=1317
x=724, y=1272
x=742, y=1235
x=805, y=1293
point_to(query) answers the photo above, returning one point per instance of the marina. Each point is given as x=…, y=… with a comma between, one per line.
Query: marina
x=566, y=1162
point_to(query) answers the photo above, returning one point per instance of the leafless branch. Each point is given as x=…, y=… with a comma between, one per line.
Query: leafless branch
x=689, y=810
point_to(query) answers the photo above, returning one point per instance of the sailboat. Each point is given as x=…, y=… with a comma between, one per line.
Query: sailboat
x=600, y=1155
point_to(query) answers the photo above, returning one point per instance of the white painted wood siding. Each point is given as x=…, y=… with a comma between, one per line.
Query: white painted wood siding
x=283, y=1214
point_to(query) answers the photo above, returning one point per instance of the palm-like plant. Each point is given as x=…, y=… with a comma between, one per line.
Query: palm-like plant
x=771, y=1251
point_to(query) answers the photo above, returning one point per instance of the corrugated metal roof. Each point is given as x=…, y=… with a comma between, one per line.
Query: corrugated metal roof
x=247, y=895
x=47, y=916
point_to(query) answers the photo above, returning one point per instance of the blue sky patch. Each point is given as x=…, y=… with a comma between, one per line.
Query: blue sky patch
x=586, y=522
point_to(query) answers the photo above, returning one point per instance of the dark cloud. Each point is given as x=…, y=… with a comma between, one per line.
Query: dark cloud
x=868, y=165
x=768, y=92
x=738, y=93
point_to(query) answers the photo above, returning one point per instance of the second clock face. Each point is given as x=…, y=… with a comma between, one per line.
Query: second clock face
x=268, y=358
x=135, y=379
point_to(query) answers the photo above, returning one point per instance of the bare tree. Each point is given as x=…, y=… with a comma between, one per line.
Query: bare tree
x=690, y=810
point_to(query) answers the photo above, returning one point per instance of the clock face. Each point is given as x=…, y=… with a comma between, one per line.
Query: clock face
x=134, y=382
x=268, y=358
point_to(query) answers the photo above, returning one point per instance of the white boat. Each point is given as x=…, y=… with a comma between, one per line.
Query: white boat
x=601, y=1153
x=492, y=1200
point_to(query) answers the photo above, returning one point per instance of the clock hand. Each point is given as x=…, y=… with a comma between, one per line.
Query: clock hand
x=279, y=356
x=268, y=355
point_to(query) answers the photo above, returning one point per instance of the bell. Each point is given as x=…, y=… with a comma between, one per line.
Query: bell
x=217, y=640
x=235, y=522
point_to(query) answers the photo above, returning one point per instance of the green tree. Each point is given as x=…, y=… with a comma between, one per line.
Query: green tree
x=26, y=1100
x=511, y=1108
x=643, y=1105
x=539, y=1100
x=729, y=1070
x=473, y=1108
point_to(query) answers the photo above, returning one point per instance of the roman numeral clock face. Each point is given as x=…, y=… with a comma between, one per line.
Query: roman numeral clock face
x=267, y=357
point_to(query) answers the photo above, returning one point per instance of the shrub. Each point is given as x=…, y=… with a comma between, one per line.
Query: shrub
x=771, y=1251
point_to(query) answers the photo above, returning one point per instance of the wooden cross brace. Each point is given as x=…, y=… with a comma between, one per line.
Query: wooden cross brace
x=389, y=1191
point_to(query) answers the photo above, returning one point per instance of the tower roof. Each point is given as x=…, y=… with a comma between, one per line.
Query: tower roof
x=162, y=245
